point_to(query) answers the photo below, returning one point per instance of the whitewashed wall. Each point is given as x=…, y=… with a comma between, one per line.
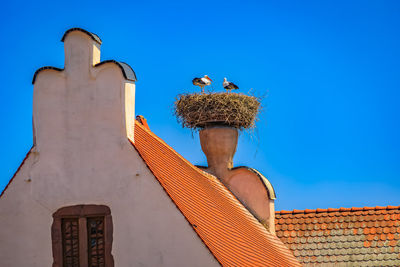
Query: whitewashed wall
x=82, y=155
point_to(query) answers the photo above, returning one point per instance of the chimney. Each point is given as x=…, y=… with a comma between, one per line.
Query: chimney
x=249, y=186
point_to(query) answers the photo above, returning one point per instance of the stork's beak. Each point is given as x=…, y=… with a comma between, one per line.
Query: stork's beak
x=209, y=78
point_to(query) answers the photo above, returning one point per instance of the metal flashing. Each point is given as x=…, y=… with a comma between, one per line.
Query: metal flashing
x=44, y=68
x=91, y=35
x=127, y=71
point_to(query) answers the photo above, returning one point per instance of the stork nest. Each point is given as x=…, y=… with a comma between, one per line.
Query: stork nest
x=196, y=111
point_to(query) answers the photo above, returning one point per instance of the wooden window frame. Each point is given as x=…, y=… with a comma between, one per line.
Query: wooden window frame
x=82, y=212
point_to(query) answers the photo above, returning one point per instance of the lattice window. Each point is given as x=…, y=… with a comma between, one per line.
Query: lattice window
x=70, y=242
x=82, y=236
x=95, y=230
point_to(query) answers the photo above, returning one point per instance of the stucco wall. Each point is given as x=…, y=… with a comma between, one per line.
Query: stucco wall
x=82, y=156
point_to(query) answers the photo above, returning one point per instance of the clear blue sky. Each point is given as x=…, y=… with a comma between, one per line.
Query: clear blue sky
x=329, y=134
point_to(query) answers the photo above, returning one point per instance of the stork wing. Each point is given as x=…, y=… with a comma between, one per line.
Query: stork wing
x=198, y=81
x=234, y=86
x=231, y=86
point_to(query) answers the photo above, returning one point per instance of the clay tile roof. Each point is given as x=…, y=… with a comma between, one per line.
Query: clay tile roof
x=143, y=121
x=230, y=232
x=368, y=236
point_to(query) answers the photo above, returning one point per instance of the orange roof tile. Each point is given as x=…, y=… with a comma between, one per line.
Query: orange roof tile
x=368, y=236
x=143, y=121
x=225, y=226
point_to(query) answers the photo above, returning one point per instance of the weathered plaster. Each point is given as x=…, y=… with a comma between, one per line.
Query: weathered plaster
x=82, y=117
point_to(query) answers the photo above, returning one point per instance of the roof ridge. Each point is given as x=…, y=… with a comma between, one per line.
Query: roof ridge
x=353, y=209
x=227, y=228
x=176, y=153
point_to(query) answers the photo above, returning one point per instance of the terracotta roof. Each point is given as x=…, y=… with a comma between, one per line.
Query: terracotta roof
x=226, y=227
x=267, y=184
x=143, y=121
x=368, y=236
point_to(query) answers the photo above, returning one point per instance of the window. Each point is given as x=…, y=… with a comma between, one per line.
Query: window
x=82, y=236
x=70, y=242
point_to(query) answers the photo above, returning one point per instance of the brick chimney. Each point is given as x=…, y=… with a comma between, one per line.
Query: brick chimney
x=250, y=187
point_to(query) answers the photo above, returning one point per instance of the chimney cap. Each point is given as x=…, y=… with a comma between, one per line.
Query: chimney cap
x=90, y=34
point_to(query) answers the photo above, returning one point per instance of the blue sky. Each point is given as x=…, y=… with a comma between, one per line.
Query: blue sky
x=329, y=132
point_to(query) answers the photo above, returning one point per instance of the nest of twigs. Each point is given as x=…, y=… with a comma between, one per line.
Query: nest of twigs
x=196, y=111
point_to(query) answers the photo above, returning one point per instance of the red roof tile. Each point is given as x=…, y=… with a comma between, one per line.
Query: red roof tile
x=367, y=236
x=225, y=226
x=143, y=121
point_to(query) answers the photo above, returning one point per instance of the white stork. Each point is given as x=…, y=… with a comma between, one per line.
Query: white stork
x=202, y=82
x=229, y=85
